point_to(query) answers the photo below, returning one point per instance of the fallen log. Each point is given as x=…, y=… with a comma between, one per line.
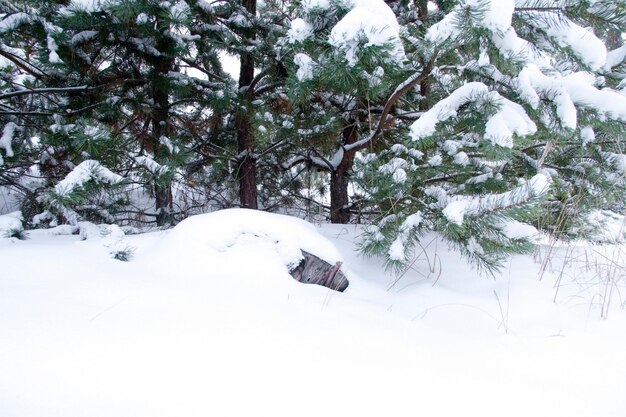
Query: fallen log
x=313, y=270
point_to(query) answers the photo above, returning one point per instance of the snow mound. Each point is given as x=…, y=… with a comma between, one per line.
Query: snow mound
x=243, y=232
x=83, y=335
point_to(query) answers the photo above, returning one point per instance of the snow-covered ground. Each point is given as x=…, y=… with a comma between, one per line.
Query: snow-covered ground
x=201, y=323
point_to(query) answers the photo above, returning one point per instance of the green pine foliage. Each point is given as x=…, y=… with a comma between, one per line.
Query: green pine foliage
x=449, y=117
x=128, y=67
x=459, y=164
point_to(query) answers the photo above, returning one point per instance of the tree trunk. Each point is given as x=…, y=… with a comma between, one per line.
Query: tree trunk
x=162, y=188
x=339, y=197
x=246, y=169
x=422, y=9
x=160, y=127
x=340, y=178
x=614, y=39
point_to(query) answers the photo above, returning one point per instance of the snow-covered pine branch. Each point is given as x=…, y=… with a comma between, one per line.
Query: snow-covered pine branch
x=512, y=97
x=84, y=172
x=459, y=206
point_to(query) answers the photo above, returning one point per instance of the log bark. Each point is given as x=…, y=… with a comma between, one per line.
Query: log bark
x=313, y=270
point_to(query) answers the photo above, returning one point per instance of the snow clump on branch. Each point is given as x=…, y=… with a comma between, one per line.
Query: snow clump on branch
x=84, y=172
x=369, y=23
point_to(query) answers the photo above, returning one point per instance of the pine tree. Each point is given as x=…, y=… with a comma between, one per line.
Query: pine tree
x=144, y=39
x=34, y=87
x=515, y=127
x=347, y=58
x=472, y=118
x=122, y=70
x=253, y=36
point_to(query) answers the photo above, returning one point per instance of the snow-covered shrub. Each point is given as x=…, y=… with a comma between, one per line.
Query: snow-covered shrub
x=11, y=226
x=124, y=254
x=110, y=236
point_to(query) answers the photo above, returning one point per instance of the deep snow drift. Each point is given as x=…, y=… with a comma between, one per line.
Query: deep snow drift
x=205, y=321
